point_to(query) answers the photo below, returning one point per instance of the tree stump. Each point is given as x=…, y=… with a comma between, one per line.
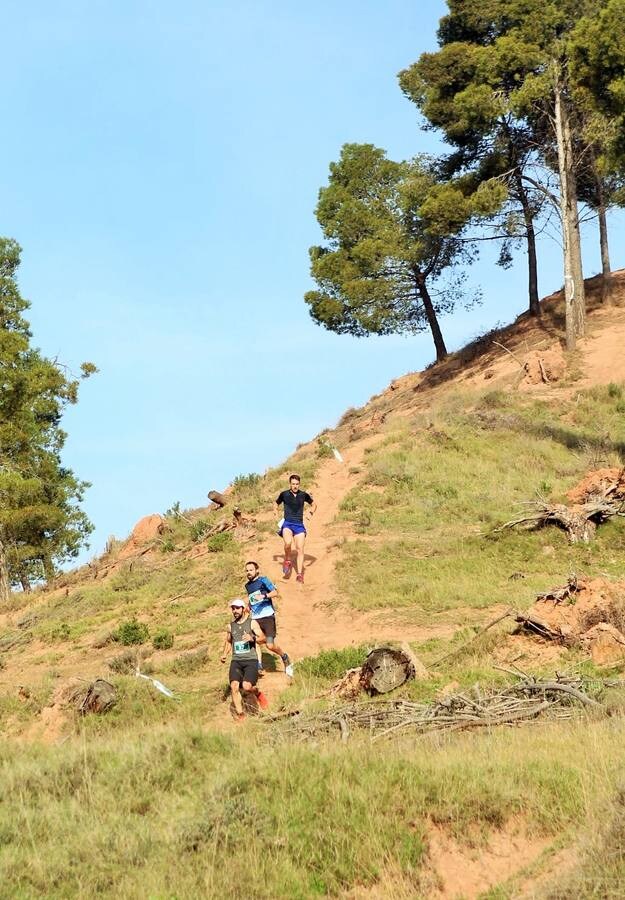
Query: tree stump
x=100, y=697
x=385, y=669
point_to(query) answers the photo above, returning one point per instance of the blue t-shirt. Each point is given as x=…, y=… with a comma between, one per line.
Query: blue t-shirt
x=260, y=605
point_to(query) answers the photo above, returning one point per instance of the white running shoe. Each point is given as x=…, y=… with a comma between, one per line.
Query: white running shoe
x=289, y=670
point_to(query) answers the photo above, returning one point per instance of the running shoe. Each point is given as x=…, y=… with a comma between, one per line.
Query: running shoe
x=262, y=700
x=300, y=578
x=289, y=670
x=239, y=718
x=287, y=567
x=261, y=673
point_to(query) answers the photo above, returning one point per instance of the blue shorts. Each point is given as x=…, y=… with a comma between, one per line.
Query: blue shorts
x=295, y=527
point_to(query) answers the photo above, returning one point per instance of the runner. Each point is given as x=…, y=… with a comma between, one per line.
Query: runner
x=292, y=527
x=241, y=636
x=260, y=594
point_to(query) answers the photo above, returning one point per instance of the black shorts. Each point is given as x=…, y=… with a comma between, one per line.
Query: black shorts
x=268, y=627
x=244, y=670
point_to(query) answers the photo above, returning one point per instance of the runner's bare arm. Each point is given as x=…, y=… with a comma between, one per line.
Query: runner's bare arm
x=226, y=646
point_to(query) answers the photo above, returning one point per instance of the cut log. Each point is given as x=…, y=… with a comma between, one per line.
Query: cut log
x=218, y=499
x=100, y=697
x=385, y=669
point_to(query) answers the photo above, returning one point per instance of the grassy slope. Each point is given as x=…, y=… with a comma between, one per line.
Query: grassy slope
x=146, y=802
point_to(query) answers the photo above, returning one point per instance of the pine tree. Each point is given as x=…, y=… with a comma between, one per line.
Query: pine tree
x=41, y=524
x=511, y=61
x=392, y=234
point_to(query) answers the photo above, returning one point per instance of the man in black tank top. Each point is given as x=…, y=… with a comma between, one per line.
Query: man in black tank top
x=241, y=637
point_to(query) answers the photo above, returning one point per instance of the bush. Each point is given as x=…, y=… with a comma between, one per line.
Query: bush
x=163, y=639
x=324, y=449
x=615, y=390
x=198, y=530
x=132, y=632
x=123, y=664
x=219, y=542
x=187, y=663
x=332, y=663
x=247, y=481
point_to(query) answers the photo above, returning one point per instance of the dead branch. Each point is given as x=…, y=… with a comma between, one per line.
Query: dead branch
x=513, y=704
x=513, y=355
x=580, y=523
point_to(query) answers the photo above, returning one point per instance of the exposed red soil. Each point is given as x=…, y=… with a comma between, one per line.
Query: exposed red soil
x=597, y=482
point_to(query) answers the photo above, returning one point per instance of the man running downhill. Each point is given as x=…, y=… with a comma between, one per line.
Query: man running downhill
x=241, y=636
x=292, y=529
x=261, y=592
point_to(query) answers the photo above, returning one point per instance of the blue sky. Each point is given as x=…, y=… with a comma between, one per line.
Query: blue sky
x=160, y=168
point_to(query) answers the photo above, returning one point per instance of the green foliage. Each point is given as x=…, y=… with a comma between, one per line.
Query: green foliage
x=162, y=639
x=391, y=232
x=434, y=495
x=332, y=663
x=198, y=530
x=41, y=524
x=220, y=542
x=181, y=802
x=247, y=481
x=323, y=449
x=190, y=662
x=132, y=632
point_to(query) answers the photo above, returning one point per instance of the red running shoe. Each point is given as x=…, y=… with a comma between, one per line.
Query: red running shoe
x=300, y=578
x=287, y=567
x=262, y=700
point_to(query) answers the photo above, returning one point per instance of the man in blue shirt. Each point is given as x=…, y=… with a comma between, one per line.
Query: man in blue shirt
x=260, y=592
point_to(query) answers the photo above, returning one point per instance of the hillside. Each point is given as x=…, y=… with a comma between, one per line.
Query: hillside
x=145, y=802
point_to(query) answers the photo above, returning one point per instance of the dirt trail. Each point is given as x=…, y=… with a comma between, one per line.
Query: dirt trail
x=311, y=616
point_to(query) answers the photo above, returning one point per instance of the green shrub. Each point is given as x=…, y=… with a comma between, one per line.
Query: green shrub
x=190, y=662
x=199, y=529
x=247, y=481
x=219, y=542
x=332, y=663
x=615, y=390
x=324, y=449
x=132, y=632
x=163, y=639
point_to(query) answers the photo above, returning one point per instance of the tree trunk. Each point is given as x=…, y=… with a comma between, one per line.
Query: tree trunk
x=25, y=582
x=5, y=587
x=532, y=261
x=606, y=270
x=574, y=299
x=430, y=313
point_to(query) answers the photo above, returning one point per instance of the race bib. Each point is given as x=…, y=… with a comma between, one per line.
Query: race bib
x=242, y=646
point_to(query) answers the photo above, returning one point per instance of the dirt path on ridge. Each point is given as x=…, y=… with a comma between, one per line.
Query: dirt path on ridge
x=311, y=616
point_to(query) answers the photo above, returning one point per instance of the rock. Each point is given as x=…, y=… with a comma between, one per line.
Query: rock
x=146, y=530
x=606, y=643
x=99, y=697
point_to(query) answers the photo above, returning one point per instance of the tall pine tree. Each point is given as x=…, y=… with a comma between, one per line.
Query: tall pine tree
x=41, y=523
x=392, y=234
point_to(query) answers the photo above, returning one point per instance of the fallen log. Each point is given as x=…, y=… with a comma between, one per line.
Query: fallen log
x=579, y=522
x=218, y=499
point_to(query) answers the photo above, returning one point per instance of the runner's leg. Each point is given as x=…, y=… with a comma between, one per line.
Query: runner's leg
x=235, y=690
x=299, y=547
x=287, y=536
